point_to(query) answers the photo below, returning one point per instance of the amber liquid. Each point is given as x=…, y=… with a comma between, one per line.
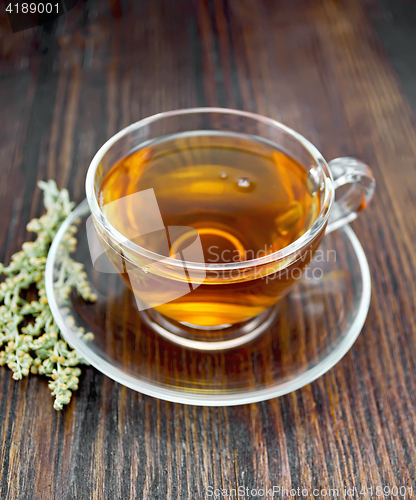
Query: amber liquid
x=246, y=199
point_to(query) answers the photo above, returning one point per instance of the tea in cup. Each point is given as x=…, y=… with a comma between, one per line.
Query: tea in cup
x=211, y=215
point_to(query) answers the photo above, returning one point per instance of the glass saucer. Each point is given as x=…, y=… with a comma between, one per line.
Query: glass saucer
x=315, y=325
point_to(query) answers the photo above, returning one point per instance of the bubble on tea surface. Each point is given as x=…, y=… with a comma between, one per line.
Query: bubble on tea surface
x=287, y=221
x=223, y=175
x=245, y=185
x=145, y=269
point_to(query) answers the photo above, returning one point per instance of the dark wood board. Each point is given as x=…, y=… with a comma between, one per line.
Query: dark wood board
x=339, y=72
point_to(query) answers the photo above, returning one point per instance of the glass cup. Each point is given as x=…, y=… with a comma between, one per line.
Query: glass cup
x=226, y=304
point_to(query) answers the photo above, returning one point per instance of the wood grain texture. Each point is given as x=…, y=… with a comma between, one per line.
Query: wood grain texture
x=319, y=67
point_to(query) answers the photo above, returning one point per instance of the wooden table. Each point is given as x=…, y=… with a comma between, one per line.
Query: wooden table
x=339, y=72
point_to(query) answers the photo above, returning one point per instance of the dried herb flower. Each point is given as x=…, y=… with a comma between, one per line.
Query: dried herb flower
x=30, y=340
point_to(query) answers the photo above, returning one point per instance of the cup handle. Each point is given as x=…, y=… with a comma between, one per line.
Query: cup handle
x=358, y=195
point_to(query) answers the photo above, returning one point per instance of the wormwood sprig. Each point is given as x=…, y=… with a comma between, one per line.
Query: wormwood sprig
x=29, y=337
